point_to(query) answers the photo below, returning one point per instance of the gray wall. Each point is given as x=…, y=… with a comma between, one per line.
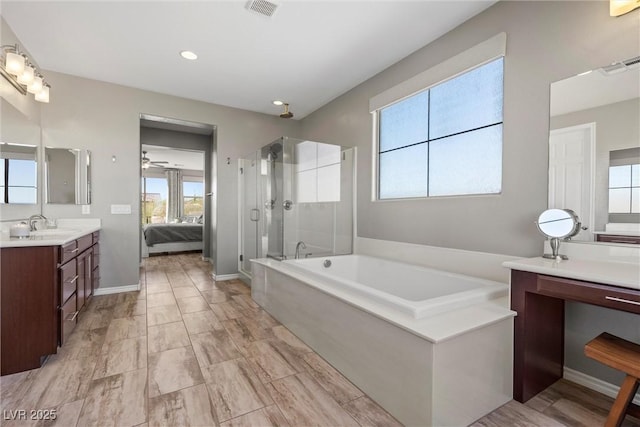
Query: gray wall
x=616, y=128
x=546, y=42
x=104, y=118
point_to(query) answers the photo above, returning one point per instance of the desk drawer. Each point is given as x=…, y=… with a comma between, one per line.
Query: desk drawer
x=615, y=297
x=68, y=279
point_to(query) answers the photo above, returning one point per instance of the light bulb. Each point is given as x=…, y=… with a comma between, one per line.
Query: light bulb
x=187, y=54
x=43, y=95
x=14, y=63
x=27, y=75
x=35, y=86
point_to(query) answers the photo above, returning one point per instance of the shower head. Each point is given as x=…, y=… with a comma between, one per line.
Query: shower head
x=286, y=114
x=274, y=149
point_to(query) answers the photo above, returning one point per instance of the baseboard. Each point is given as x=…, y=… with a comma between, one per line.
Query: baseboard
x=593, y=383
x=223, y=277
x=116, y=289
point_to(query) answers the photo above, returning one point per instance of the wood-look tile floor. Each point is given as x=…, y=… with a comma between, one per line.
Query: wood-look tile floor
x=187, y=351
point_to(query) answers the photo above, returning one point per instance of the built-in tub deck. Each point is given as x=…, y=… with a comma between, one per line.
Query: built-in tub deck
x=418, y=352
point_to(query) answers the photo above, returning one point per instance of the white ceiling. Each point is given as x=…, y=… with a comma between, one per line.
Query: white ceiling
x=307, y=53
x=175, y=158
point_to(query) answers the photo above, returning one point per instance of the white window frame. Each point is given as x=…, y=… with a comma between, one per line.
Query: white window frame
x=476, y=56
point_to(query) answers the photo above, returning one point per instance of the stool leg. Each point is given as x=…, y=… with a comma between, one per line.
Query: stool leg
x=627, y=391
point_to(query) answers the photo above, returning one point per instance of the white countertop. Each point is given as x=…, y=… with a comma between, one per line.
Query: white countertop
x=624, y=274
x=67, y=231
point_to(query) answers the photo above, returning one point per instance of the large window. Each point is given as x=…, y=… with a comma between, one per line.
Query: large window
x=18, y=181
x=446, y=140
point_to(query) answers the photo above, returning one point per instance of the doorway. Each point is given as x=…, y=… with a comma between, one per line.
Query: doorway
x=177, y=176
x=571, y=173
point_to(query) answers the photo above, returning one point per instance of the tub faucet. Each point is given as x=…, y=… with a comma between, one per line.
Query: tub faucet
x=33, y=219
x=300, y=244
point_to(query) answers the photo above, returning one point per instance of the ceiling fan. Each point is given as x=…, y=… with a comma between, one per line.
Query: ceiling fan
x=146, y=162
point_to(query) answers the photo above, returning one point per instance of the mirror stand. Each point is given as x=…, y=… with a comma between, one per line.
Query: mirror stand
x=554, y=242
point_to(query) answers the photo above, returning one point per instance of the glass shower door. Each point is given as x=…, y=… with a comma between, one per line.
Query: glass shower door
x=250, y=213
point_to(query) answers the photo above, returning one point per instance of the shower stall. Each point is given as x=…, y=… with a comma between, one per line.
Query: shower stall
x=296, y=197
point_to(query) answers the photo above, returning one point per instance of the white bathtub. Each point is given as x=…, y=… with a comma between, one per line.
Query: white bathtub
x=410, y=289
x=432, y=348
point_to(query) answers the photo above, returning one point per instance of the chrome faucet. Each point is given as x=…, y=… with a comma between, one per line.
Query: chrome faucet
x=33, y=219
x=300, y=244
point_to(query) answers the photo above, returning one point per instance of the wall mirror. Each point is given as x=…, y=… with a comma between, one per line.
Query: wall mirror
x=19, y=143
x=67, y=176
x=594, y=154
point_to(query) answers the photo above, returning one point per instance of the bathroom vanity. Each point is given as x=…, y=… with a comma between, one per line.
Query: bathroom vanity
x=539, y=289
x=46, y=281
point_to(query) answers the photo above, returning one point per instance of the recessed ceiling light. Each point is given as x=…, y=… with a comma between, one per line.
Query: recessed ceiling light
x=187, y=54
x=278, y=102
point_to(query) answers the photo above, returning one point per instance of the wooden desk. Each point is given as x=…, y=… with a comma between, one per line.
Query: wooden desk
x=538, y=299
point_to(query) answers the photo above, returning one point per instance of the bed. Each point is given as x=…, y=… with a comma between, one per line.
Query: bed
x=179, y=237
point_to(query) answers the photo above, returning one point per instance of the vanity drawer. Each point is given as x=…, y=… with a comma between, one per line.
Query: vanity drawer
x=612, y=238
x=84, y=242
x=68, y=280
x=591, y=293
x=96, y=237
x=96, y=255
x=68, y=318
x=68, y=251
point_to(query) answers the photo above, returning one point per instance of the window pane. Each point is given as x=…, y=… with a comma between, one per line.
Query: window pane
x=619, y=200
x=403, y=172
x=620, y=176
x=22, y=172
x=470, y=163
x=635, y=200
x=155, y=206
x=307, y=186
x=22, y=195
x=469, y=101
x=405, y=122
x=329, y=183
x=2, y=183
x=635, y=175
x=193, y=198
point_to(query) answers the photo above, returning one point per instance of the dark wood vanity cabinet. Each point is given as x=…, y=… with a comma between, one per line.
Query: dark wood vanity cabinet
x=43, y=290
x=616, y=238
x=71, y=304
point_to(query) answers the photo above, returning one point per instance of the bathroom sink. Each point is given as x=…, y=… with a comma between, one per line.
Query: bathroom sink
x=50, y=231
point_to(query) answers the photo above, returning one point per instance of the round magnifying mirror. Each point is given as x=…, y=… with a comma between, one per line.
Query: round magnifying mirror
x=558, y=224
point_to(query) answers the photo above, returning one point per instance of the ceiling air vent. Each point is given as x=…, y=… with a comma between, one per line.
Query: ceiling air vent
x=618, y=67
x=262, y=7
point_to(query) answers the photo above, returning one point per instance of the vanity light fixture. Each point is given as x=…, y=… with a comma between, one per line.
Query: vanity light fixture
x=187, y=54
x=278, y=102
x=620, y=7
x=22, y=74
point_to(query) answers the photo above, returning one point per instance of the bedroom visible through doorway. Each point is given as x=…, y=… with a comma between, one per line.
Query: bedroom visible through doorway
x=176, y=213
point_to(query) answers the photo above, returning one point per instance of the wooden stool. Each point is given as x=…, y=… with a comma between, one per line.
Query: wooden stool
x=624, y=356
